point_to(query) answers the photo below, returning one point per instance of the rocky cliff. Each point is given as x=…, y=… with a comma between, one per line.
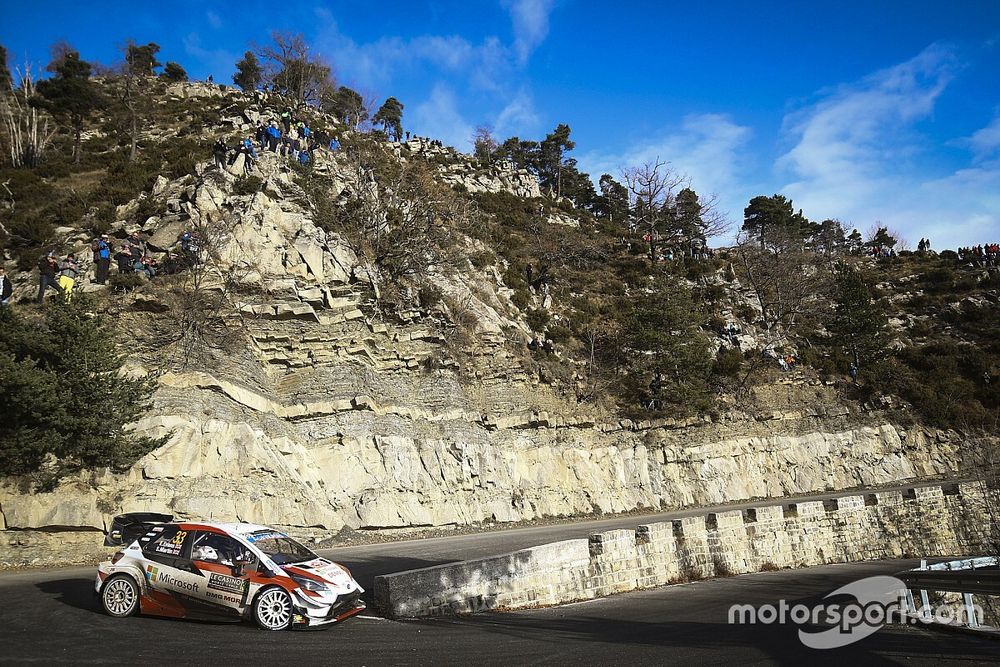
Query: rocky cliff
x=324, y=414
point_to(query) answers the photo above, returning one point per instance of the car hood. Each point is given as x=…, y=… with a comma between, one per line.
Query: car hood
x=327, y=570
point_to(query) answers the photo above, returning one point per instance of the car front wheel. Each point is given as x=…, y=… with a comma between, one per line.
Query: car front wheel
x=272, y=609
x=120, y=596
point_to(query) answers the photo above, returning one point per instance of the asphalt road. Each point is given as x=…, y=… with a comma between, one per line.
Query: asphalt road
x=49, y=616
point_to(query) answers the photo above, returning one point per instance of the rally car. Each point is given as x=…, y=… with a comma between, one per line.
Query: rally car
x=221, y=571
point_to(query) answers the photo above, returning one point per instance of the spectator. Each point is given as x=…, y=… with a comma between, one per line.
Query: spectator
x=219, y=151
x=69, y=271
x=47, y=268
x=124, y=259
x=145, y=264
x=248, y=147
x=303, y=158
x=6, y=287
x=102, y=257
x=273, y=136
x=138, y=245
x=853, y=371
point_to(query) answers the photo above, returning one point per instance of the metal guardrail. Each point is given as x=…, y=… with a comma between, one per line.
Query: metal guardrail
x=971, y=576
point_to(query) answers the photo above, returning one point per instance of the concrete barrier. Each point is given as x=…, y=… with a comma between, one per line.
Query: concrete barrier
x=926, y=521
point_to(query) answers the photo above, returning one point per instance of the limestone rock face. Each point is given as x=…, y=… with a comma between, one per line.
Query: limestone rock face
x=331, y=417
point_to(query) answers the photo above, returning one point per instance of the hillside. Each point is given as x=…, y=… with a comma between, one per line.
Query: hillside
x=399, y=335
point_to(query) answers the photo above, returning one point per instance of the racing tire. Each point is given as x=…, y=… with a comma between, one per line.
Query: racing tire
x=120, y=596
x=272, y=609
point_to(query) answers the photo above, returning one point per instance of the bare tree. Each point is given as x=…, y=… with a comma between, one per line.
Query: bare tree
x=666, y=210
x=396, y=218
x=485, y=144
x=788, y=281
x=651, y=188
x=293, y=70
x=26, y=128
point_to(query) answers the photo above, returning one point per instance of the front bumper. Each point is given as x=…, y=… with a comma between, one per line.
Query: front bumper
x=312, y=614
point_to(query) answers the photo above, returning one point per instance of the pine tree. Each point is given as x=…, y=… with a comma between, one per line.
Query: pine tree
x=62, y=393
x=5, y=78
x=860, y=324
x=667, y=349
x=390, y=117
x=173, y=72
x=70, y=95
x=248, y=72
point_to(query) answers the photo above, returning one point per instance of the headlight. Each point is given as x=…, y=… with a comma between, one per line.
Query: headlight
x=311, y=584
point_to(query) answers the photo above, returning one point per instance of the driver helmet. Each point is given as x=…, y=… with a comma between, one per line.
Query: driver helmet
x=205, y=553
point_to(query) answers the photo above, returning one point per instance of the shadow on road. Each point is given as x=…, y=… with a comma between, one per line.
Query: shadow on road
x=779, y=643
x=78, y=593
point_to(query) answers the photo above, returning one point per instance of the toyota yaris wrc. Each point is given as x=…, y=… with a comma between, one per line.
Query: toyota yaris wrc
x=221, y=571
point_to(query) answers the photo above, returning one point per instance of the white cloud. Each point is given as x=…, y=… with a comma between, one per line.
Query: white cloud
x=846, y=137
x=986, y=141
x=219, y=62
x=858, y=157
x=488, y=65
x=530, y=20
x=518, y=117
x=214, y=19
x=438, y=117
x=709, y=149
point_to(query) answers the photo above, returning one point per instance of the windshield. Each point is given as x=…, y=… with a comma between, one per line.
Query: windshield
x=280, y=547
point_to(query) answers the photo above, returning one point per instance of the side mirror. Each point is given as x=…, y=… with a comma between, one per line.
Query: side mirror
x=239, y=568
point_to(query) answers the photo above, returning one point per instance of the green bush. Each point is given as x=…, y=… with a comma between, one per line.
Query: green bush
x=62, y=393
x=521, y=298
x=126, y=282
x=949, y=383
x=537, y=319
x=247, y=185
x=728, y=363
x=559, y=334
x=429, y=296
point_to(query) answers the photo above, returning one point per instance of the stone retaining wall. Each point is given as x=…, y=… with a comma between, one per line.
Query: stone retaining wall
x=926, y=521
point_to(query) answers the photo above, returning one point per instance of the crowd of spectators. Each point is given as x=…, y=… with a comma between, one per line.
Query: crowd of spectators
x=986, y=254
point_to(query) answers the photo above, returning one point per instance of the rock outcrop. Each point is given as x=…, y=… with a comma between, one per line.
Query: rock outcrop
x=329, y=417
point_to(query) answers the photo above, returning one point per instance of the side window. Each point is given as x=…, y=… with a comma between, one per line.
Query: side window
x=215, y=548
x=170, y=544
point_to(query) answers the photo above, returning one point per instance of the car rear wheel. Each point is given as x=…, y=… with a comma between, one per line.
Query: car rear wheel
x=120, y=596
x=272, y=609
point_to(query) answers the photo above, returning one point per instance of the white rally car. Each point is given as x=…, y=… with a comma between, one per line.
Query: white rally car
x=213, y=571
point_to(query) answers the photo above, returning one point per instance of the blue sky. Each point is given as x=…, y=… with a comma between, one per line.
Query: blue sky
x=866, y=112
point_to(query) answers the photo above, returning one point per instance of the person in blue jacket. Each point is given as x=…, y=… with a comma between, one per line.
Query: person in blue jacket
x=102, y=256
x=273, y=135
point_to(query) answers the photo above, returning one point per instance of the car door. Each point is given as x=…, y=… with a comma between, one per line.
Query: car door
x=226, y=566
x=170, y=569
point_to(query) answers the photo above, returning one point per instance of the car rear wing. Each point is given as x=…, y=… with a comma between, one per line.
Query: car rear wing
x=127, y=528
